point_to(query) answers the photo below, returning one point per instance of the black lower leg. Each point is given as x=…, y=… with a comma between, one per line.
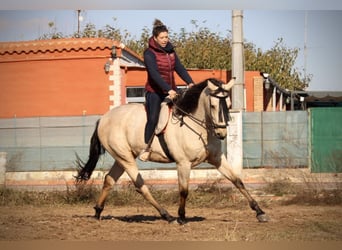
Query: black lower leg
x=98, y=211
x=252, y=203
x=181, y=209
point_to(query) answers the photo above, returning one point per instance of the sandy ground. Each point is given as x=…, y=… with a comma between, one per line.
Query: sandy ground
x=143, y=223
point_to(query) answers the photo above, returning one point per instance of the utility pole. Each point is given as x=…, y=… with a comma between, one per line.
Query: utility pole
x=234, y=138
x=79, y=20
x=305, y=47
x=238, y=68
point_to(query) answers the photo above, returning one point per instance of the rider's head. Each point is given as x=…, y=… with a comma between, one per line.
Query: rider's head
x=160, y=33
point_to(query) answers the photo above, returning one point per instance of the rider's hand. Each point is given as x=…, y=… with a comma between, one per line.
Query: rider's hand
x=172, y=94
x=190, y=85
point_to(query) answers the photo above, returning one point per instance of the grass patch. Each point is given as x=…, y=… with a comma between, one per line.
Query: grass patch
x=280, y=187
x=205, y=195
x=308, y=192
x=209, y=194
x=306, y=196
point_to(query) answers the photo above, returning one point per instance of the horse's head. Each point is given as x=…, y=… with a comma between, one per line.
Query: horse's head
x=218, y=106
x=212, y=95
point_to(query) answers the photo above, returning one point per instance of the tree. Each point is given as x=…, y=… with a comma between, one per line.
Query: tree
x=52, y=34
x=279, y=62
x=203, y=49
x=88, y=31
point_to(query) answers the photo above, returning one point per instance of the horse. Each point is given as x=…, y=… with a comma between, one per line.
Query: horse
x=197, y=124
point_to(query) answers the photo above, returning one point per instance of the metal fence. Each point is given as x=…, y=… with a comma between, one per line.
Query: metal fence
x=275, y=139
x=270, y=139
x=45, y=143
x=326, y=140
x=50, y=143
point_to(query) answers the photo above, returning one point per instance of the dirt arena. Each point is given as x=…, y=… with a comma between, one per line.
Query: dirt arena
x=140, y=222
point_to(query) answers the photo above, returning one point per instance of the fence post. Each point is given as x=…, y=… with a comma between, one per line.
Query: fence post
x=234, y=142
x=3, y=161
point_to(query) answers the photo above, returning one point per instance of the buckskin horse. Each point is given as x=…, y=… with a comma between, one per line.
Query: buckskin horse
x=193, y=135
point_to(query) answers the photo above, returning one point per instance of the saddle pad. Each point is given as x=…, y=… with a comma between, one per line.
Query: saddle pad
x=164, y=115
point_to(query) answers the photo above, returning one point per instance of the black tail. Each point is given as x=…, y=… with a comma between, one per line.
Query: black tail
x=86, y=169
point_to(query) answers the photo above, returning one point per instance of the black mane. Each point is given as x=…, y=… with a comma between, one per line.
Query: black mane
x=188, y=101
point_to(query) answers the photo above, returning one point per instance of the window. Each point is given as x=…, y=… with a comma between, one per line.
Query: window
x=135, y=94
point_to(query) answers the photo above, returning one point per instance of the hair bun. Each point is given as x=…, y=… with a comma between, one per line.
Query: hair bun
x=158, y=27
x=157, y=23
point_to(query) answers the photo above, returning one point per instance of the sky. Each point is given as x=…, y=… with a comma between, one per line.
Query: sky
x=261, y=26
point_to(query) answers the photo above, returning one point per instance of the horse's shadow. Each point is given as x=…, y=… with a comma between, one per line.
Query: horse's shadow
x=141, y=218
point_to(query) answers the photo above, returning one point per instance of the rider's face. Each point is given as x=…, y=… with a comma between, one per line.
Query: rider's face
x=162, y=39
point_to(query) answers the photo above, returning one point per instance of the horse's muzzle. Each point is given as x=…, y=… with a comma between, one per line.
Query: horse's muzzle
x=220, y=130
x=221, y=133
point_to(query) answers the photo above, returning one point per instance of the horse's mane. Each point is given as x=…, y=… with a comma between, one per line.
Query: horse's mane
x=188, y=100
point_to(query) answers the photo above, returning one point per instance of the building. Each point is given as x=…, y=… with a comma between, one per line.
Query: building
x=87, y=76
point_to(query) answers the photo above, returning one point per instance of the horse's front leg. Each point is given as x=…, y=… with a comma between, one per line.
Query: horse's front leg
x=261, y=216
x=226, y=170
x=183, y=182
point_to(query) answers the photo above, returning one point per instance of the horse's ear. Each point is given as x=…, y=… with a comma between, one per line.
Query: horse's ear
x=229, y=85
x=212, y=86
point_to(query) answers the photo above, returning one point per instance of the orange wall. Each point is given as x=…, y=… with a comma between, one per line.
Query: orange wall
x=53, y=87
x=68, y=83
x=249, y=87
x=138, y=76
x=200, y=75
x=134, y=77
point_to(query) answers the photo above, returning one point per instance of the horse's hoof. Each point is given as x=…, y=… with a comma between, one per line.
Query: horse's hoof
x=181, y=221
x=262, y=218
x=170, y=219
x=173, y=221
x=166, y=216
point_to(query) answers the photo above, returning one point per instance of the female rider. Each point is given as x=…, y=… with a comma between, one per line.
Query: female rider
x=161, y=62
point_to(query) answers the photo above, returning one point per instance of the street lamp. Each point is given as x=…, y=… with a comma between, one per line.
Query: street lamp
x=112, y=57
x=79, y=20
x=107, y=66
x=266, y=80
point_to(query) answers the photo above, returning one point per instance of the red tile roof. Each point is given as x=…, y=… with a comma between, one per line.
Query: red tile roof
x=60, y=45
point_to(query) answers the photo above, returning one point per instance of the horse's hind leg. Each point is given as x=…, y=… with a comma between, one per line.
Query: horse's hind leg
x=226, y=171
x=139, y=183
x=113, y=175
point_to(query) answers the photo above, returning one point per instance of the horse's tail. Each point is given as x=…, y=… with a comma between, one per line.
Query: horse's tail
x=96, y=149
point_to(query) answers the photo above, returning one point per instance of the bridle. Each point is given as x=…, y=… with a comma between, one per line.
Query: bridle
x=223, y=111
x=223, y=108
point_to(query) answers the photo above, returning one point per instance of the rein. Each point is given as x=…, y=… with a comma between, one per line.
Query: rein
x=191, y=117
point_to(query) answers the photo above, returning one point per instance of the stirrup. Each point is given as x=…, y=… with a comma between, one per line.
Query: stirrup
x=145, y=154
